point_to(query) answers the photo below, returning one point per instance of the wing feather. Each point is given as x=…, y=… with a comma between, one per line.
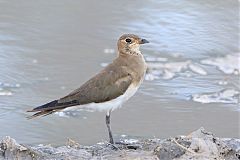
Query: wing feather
x=105, y=86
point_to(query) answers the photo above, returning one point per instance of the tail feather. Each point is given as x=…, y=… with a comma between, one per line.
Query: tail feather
x=42, y=113
x=50, y=108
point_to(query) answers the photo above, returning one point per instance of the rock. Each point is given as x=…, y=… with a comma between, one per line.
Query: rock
x=206, y=146
x=198, y=145
x=170, y=150
x=10, y=149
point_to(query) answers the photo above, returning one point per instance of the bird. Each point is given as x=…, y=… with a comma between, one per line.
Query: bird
x=110, y=88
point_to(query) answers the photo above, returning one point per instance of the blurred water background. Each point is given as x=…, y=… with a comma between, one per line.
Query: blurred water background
x=49, y=48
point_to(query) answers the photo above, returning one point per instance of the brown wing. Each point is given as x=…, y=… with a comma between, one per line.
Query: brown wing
x=107, y=85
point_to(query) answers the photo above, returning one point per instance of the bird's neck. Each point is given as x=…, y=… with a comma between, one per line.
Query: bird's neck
x=134, y=61
x=126, y=53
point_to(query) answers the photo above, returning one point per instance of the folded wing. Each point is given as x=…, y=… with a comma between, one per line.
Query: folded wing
x=105, y=86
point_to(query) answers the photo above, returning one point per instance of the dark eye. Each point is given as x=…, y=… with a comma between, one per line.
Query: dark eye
x=128, y=40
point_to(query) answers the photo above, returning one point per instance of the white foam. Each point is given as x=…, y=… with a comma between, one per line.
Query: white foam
x=5, y=93
x=17, y=85
x=223, y=96
x=104, y=64
x=168, y=74
x=123, y=135
x=156, y=59
x=8, y=85
x=130, y=141
x=150, y=77
x=5, y=88
x=197, y=69
x=230, y=64
x=223, y=82
x=177, y=55
x=68, y=114
x=62, y=114
x=170, y=70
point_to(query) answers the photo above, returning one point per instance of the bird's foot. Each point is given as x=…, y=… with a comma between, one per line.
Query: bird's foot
x=113, y=146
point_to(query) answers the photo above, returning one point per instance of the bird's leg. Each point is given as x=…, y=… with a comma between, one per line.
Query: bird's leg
x=109, y=127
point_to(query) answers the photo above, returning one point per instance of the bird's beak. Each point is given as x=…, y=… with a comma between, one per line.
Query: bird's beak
x=143, y=41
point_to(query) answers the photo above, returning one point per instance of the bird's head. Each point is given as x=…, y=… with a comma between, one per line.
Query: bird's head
x=129, y=44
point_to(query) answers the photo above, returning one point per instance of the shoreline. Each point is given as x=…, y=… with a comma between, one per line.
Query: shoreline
x=199, y=144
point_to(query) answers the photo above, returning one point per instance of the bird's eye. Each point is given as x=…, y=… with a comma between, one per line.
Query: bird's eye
x=128, y=40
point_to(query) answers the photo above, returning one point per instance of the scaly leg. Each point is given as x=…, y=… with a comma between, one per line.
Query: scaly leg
x=109, y=127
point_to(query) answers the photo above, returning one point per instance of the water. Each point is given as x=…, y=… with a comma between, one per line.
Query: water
x=49, y=48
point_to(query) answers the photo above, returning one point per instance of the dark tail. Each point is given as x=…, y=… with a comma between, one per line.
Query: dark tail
x=50, y=108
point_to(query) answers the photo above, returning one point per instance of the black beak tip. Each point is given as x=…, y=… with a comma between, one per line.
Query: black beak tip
x=143, y=41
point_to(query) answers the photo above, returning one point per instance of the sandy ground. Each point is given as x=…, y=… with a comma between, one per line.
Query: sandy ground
x=199, y=145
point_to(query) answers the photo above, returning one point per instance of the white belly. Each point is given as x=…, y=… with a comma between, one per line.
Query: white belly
x=109, y=105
